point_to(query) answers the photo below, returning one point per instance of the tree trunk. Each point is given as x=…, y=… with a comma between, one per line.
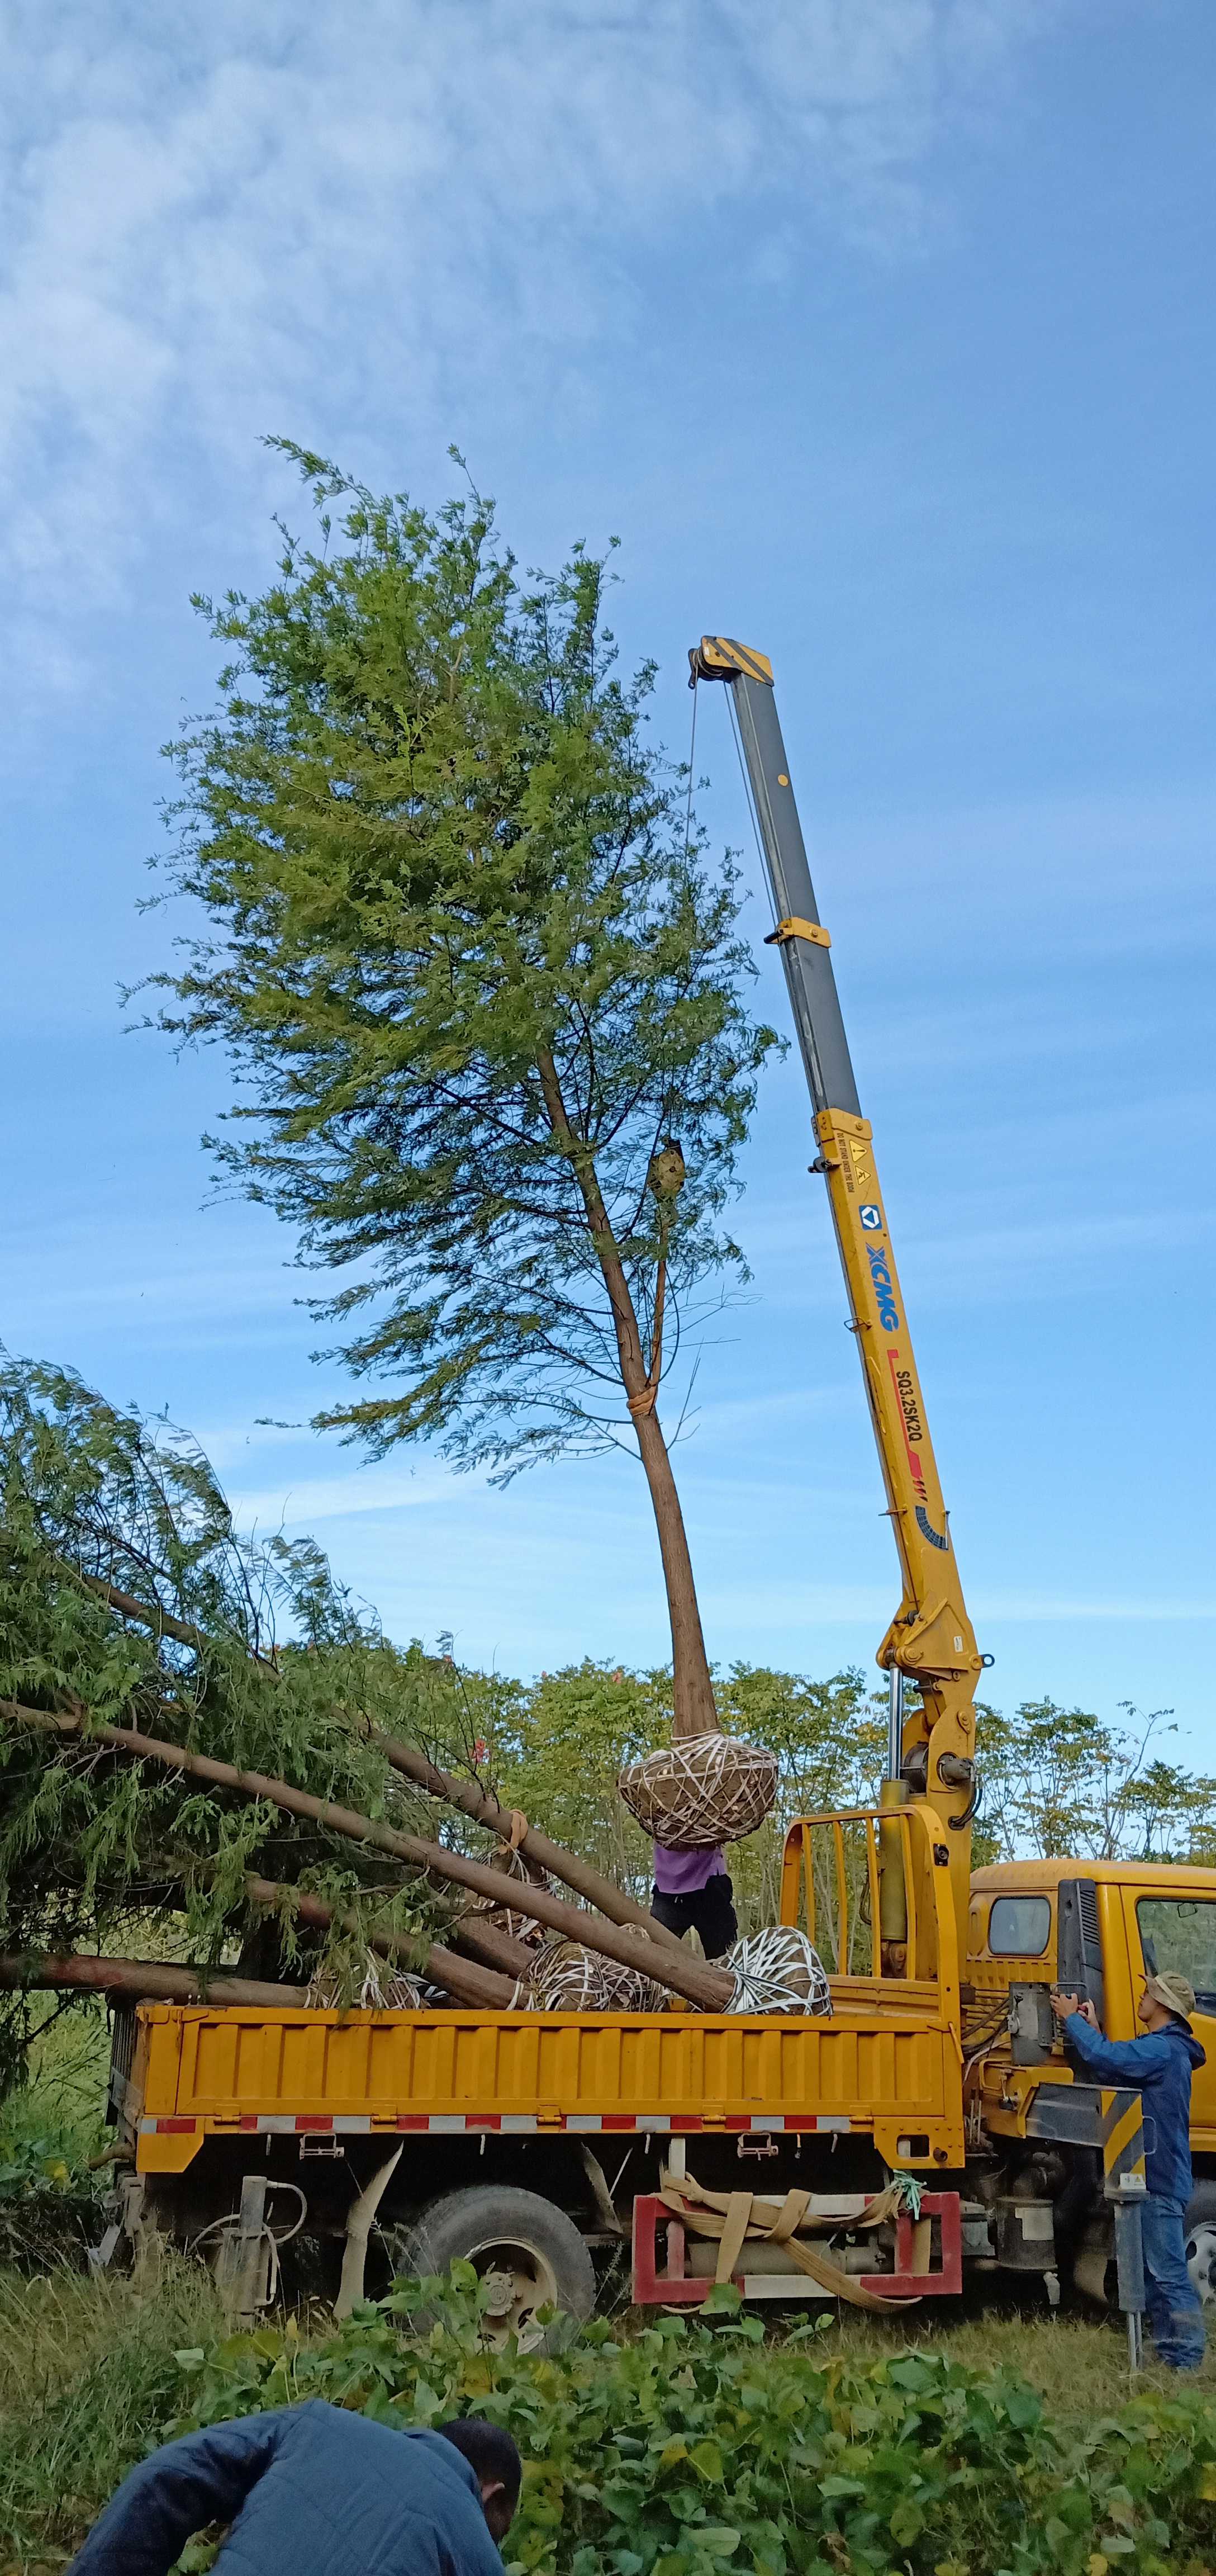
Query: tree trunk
x=466, y=1982
x=151, y=1978
x=694, y=1708
x=485, y=1809
x=668, y=1965
x=468, y=1795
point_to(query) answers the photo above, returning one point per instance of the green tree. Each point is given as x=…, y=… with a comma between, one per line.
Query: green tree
x=1060, y=1781
x=483, y=989
x=253, y=1655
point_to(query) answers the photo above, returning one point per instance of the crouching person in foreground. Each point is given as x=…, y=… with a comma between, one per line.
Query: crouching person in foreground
x=1160, y=2066
x=313, y=2491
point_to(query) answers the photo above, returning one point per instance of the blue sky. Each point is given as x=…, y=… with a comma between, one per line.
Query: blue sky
x=880, y=332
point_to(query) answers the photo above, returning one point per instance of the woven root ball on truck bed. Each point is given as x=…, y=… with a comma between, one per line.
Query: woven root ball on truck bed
x=778, y=1971
x=709, y=1789
x=569, y=1978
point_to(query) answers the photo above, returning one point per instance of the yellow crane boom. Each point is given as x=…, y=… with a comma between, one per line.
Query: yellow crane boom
x=930, y=1639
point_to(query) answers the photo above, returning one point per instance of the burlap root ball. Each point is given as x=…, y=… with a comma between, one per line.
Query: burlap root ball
x=777, y=1971
x=568, y=1978
x=709, y=1789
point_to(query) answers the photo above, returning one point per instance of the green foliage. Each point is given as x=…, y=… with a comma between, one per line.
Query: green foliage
x=261, y=1662
x=49, y=2131
x=472, y=965
x=688, y=2447
x=30, y=2161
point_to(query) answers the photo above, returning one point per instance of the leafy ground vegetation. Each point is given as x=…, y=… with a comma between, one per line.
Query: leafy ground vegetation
x=674, y=2449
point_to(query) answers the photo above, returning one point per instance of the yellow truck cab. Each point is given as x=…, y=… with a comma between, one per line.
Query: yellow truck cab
x=1097, y=1928
x=1133, y=1919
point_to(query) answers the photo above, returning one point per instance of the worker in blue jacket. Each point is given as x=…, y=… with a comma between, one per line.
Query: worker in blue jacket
x=314, y=2491
x=1159, y=2065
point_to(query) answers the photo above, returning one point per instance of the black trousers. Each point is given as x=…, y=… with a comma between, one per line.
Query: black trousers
x=707, y=1910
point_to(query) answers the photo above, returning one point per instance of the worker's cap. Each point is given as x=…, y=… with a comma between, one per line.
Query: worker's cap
x=1173, y=1993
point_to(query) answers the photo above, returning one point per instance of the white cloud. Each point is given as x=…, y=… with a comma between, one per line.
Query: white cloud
x=223, y=221
x=330, y=1498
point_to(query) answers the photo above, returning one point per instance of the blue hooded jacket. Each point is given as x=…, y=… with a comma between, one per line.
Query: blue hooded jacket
x=1159, y=2065
x=309, y=2491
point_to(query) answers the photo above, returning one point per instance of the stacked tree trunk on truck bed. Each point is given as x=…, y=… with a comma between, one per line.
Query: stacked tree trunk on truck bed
x=201, y=1739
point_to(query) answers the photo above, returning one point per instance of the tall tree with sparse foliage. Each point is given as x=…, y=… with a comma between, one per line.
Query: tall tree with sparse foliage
x=483, y=988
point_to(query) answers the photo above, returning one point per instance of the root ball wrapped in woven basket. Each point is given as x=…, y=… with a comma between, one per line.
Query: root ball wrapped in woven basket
x=705, y=1790
x=778, y=1971
x=504, y=1918
x=568, y=1978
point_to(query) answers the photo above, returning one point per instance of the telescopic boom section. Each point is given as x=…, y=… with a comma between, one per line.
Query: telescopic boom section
x=931, y=1638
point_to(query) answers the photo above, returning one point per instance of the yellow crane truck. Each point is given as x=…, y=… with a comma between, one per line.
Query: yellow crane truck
x=545, y=2146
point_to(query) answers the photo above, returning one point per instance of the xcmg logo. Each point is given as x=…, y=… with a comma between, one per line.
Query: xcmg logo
x=883, y=1288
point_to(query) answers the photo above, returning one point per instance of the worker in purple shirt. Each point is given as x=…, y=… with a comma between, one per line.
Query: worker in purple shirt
x=693, y=1892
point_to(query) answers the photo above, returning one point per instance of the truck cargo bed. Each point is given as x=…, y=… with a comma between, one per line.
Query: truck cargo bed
x=201, y=2071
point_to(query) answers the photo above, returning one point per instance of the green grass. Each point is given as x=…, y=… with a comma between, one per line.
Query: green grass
x=87, y=2375
x=61, y=2107
x=1078, y=2361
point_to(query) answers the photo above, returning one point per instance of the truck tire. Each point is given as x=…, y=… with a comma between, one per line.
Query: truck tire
x=1201, y=2241
x=523, y=2246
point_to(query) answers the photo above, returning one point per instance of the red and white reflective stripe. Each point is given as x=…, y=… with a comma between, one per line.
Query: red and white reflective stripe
x=663, y=2124
x=512, y=2124
x=309, y=2124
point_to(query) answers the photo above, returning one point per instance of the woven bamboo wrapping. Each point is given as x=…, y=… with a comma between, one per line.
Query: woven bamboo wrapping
x=710, y=1789
x=777, y=1971
x=522, y=1927
x=569, y=1978
x=384, y=1989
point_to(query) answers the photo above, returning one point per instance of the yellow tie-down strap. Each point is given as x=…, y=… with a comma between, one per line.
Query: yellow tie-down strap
x=734, y=2217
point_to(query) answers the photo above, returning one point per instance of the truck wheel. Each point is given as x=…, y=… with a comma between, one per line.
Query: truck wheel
x=529, y=2254
x=1201, y=2241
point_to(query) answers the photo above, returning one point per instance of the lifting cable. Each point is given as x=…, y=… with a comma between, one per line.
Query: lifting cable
x=692, y=749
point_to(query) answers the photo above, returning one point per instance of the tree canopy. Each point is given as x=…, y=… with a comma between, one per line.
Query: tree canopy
x=483, y=988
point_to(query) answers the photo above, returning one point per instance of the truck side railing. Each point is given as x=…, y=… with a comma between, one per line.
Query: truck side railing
x=832, y=1884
